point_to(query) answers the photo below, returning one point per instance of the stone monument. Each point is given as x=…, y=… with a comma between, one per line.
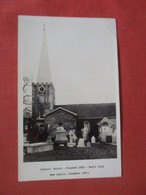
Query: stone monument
x=61, y=135
x=49, y=140
x=74, y=136
x=25, y=138
x=85, y=132
x=81, y=142
x=71, y=139
x=93, y=141
x=88, y=144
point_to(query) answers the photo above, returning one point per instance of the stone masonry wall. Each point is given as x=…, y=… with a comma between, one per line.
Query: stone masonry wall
x=68, y=121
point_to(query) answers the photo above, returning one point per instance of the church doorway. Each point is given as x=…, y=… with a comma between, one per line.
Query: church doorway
x=109, y=139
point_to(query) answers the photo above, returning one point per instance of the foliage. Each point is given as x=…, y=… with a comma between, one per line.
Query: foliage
x=27, y=97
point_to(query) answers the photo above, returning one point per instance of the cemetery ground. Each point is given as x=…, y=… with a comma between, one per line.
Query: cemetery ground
x=97, y=151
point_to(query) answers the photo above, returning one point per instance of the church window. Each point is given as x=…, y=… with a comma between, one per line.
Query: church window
x=41, y=89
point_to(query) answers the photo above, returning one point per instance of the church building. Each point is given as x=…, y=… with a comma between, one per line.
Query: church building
x=100, y=119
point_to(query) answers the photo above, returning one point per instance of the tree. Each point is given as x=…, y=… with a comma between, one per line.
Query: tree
x=27, y=97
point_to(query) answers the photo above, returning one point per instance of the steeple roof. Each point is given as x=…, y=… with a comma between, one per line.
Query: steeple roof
x=44, y=74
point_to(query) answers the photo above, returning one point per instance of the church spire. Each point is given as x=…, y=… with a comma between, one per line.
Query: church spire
x=44, y=74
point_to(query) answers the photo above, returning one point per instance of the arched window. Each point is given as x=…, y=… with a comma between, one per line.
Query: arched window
x=105, y=124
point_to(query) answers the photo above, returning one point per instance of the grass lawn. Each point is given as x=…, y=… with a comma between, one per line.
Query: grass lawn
x=97, y=151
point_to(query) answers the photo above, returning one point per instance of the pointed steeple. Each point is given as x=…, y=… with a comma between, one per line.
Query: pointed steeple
x=44, y=74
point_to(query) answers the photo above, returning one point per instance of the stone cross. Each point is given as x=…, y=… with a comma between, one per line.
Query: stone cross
x=74, y=136
x=71, y=143
x=71, y=136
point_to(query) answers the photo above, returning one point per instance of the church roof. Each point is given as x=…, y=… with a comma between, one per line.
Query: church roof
x=61, y=108
x=105, y=120
x=92, y=110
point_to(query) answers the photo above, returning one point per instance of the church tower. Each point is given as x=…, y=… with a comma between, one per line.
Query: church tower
x=43, y=92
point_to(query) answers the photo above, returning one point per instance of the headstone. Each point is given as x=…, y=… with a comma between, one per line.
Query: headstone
x=25, y=138
x=81, y=143
x=25, y=143
x=93, y=140
x=49, y=140
x=88, y=145
x=71, y=143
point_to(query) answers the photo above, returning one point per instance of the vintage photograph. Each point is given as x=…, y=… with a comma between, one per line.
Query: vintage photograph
x=69, y=89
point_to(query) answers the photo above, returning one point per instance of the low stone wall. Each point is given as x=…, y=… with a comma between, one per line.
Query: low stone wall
x=38, y=147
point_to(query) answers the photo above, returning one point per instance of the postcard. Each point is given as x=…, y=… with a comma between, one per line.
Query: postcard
x=68, y=98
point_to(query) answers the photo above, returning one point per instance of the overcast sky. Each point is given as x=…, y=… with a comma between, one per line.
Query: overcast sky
x=82, y=56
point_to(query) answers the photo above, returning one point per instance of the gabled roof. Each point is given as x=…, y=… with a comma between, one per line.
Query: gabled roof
x=105, y=120
x=92, y=110
x=65, y=110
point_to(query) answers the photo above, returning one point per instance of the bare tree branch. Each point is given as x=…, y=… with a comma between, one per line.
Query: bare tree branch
x=27, y=99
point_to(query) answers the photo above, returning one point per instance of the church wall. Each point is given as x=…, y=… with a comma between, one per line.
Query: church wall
x=104, y=132
x=114, y=121
x=108, y=133
x=68, y=121
x=94, y=128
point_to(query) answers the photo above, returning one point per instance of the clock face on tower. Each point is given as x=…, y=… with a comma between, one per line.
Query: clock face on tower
x=41, y=89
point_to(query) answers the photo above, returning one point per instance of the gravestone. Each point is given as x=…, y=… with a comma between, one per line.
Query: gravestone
x=93, y=140
x=25, y=138
x=49, y=140
x=88, y=145
x=81, y=143
x=71, y=143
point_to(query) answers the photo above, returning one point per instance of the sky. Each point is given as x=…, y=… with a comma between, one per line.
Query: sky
x=82, y=56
